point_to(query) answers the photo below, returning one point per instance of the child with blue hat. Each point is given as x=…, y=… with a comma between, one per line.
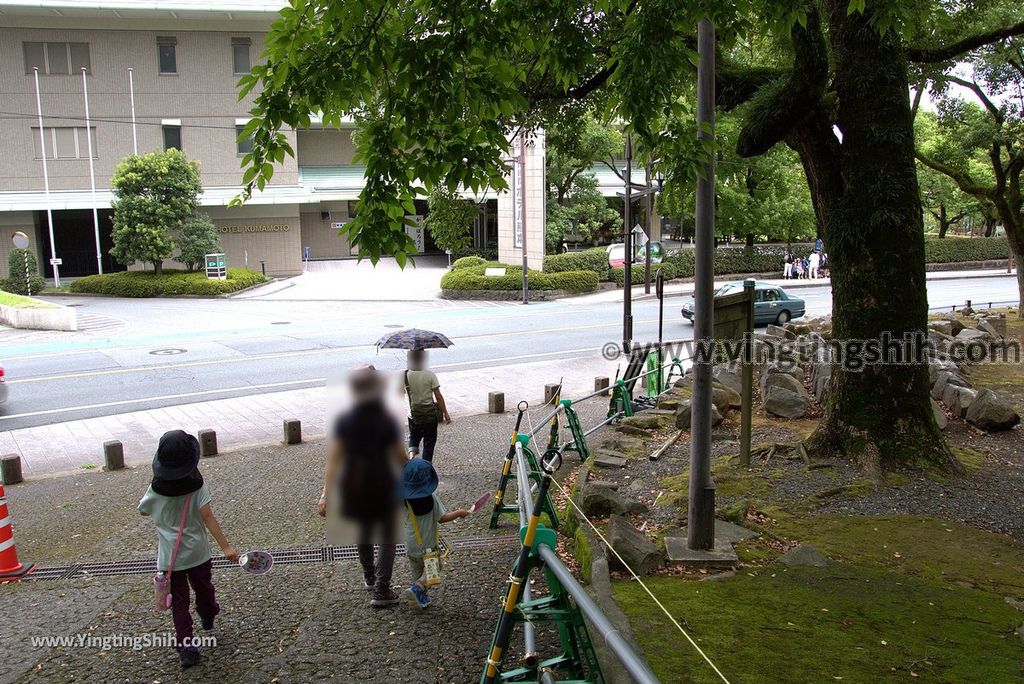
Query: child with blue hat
x=424, y=514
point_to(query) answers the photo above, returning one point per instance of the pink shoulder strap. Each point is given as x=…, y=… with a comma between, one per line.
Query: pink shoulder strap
x=181, y=530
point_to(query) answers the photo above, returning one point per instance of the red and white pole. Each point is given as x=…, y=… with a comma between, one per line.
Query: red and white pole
x=10, y=567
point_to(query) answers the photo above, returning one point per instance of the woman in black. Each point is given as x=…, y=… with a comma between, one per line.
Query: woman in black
x=364, y=460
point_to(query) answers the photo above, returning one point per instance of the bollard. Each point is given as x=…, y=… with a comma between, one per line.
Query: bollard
x=113, y=455
x=10, y=467
x=292, y=431
x=602, y=383
x=551, y=391
x=495, y=402
x=10, y=567
x=207, y=443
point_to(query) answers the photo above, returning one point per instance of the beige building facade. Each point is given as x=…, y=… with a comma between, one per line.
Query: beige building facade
x=164, y=74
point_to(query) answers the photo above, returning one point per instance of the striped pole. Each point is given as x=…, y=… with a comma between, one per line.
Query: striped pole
x=10, y=567
x=499, y=495
x=553, y=435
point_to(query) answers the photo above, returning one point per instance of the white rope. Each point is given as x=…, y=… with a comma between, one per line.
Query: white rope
x=632, y=572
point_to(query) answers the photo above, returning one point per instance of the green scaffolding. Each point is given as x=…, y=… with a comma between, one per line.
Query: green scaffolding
x=508, y=475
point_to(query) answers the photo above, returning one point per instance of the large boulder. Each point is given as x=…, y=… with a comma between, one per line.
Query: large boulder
x=776, y=369
x=969, y=335
x=991, y=413
x=944, y=379
x=779, y=333
x=600, y=499
x=956, y=325
x=636, y=550
x=940, y=415
x=785, y=397
x=943, y=327
x=684, y=415
x=724, y=398
x=996, y=327
x=957, y=399
x=730, y=376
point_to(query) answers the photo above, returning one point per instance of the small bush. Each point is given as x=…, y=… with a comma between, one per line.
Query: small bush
x=473, y=278
x=148, y=284
x=490, y=254
x=595, y=259
x=23, y=270
x=955, y=250
x=17, y=285
x=467, y=261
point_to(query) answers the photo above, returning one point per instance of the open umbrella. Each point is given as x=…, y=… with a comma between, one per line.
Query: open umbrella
x=414, y=338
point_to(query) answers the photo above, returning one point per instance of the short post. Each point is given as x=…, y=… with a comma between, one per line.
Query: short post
x=602, y=383
x=113, y=455
x=263, y=267
x=495, y=402
x=207, y=443
x=292, y=431
x=10, y=467
x=551, y=392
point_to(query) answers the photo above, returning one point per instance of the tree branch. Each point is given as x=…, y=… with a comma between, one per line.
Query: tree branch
x=962, y=179
x=945, y=53
x=976, y=89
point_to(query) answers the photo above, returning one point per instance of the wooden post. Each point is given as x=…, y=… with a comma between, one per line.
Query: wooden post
x=113, y=455
x=207, y=443
x=292, y=431
x=747, y=397
x=10, y=467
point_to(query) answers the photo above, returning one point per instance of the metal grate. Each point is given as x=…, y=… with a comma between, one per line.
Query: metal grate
x=307, y=555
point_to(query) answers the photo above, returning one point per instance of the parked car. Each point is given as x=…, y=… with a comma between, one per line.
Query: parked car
x=3, y=386
x=772, y=304
x=617, y=254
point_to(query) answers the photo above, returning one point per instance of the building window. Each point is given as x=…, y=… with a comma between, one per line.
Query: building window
x=167, y=48
x=244, y=144
x=241, y=55
x=65, y=142
x=172, y=136
x=56, y=59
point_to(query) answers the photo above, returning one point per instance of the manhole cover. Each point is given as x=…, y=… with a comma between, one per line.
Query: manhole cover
x=168, y=352
x=281, y=323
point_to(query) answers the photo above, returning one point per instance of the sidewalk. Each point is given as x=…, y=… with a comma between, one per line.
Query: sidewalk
x=258, y=419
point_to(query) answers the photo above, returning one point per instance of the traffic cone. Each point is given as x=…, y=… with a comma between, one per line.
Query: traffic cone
x=10, y=567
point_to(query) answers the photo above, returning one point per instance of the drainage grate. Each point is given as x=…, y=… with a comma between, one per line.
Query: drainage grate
x=296, y=556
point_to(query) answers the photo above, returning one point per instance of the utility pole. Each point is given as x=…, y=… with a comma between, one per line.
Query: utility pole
x=92, y=172
x=701, y=514
x=522, y=212
x=627, y=265
x=648, y=212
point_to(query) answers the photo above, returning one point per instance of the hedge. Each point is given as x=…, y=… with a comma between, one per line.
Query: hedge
x=637, y=273
x=467, y=261
x=18, y=285
x=594, y=259
x=487, y=253
x=955, y=249
x=473, y=278
x=170, y=282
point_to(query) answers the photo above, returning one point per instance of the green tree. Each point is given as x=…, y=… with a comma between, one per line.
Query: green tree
x=582, y=210
x=981, y=146
x=23, y=273
x=197, y=238
x=493, y=67
x=450, y=219
x=154, y=193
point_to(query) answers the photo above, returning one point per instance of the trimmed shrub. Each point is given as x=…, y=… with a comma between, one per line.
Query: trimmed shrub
x=169, y=283
x=955, y=249
x=17, y=285
x=467, y=261
x=594, y=259
x=473, y=278
x=23, y=270
x=490, y=254
x=619, y=274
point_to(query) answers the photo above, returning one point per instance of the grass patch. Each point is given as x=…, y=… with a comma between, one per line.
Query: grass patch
x=971, y=458
x=803, y=427
x=840, y=623
x=169, y=283
x=929, y=548
x=19, y=302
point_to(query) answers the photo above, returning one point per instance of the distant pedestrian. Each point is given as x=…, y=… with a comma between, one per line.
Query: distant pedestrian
x=787, y=268
x=426, y=405
x=424, y=515
x=364, y=460
x=818, y=245
x=798, y=265
x=814, y=261
x=178, y=501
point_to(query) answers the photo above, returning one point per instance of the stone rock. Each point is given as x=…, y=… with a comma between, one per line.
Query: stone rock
x=940, y=415
x=943, y=380
x=606, y=458
x=798, y=328
x=632, y=430
x=1014, y=603
x=803, y=556
x=783, y=380
x=992, y=325
x=600, y=499
x=730, y=376
x=638, y=552
x=724, y=398
x=957, y=399
x=683, y=415
x=668, y=402
x=968, y=335
x=991, y=413
x=956, y=325
x=785, y=403
x=943, y=327
x=779, y=333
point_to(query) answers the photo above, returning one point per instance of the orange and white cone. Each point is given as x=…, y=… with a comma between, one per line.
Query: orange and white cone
x=10, y=567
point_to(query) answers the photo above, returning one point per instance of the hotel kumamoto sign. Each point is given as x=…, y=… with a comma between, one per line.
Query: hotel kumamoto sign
x=257, y=228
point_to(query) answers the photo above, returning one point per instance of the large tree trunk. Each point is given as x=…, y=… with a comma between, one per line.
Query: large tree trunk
x=943, y=223
x=874, y=230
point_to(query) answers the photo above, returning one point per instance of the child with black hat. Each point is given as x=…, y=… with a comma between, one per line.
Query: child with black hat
x=179, y=502
x=425, y=513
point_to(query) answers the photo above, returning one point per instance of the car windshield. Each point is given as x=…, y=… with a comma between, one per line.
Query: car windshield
x=726, y=289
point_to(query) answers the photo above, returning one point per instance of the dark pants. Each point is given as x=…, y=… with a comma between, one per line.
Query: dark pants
x=377, y=573
x=426, y=434
x=206, y=603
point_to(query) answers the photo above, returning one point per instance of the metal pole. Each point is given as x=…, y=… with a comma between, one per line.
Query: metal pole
x=634, y=664
x=46, y=181
x=660, y=289
x=747, y=400
x=530, y=655
x=92, y=173
x=131, y=97
x=627, y=266
x=542, y=424
x=649, y=204
x=522, y=212
x=701, y=519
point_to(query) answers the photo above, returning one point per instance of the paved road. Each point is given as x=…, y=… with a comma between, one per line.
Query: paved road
x=136, y=355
